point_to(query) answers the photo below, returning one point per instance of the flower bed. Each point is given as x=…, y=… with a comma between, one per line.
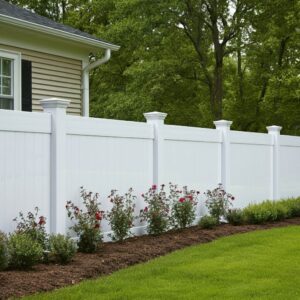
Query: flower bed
x=168, y=214
x=115, y=256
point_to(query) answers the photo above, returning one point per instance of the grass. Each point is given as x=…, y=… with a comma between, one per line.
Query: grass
x=257, y=265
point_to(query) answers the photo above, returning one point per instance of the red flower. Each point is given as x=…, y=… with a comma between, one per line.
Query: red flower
x=42, y=220
x=190, y=197
x=97, y=225
x=154, y=187
x=181, y=200
x=146, y=209
x=98, y=215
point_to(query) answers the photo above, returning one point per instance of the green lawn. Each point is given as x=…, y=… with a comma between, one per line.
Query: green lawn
x=256, y=265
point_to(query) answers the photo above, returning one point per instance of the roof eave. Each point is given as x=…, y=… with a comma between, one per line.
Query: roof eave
x=58, y=33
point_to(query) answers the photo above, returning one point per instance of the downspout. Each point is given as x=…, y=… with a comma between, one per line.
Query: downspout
x=85, y=81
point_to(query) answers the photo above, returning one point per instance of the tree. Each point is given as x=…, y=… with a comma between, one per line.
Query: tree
x=55, y=9
x=197, y=60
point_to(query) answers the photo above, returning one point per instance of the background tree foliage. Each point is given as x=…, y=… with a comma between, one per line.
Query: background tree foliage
x=197, y=60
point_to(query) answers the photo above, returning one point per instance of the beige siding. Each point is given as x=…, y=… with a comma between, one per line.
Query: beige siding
x=53, y=76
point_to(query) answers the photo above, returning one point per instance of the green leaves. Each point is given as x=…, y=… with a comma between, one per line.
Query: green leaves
x=196, y=60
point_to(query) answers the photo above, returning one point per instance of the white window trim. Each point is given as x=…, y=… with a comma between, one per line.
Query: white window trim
x=16, y=57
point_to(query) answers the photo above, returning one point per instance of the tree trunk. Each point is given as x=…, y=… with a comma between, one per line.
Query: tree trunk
x=217, y=90
x=240, y=72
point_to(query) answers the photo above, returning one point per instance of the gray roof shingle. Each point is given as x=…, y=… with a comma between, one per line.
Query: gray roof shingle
x=16, y=12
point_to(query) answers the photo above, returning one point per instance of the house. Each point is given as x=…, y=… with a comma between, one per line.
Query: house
x=40, y=58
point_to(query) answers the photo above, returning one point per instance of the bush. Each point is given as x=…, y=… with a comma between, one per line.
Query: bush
x=61, y=248
x=4, y=256
x=87, y=223
x=34, y=226
x=121, y=216
x=24, y=251
x=218, y=202
x=293, y=206
x=183, y=206
x=156, y=213
x=208, y=222
x=267, y=211
x=235, y=217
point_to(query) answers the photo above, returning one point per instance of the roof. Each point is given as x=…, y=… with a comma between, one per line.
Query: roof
x=13, y=14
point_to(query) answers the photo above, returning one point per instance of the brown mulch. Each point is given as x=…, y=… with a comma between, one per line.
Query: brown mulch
x=114, y=256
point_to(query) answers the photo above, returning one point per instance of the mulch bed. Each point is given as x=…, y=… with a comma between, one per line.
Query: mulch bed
x=114, y=256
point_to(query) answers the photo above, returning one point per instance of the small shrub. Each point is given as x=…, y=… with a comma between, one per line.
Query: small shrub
x=33, y=225
x=293, y=207
x=61, y=248
x=121, y=216
x=87, y=222
x=218, y=202
x=184, y=204
x=235, y=217
x=255, y=214
x=208, y=222
x=267, y=211
x=24, y=251
x=156, y=213
x=4, y=256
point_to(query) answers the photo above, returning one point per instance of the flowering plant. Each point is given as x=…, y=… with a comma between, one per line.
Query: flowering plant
x=32, y=225
x=218, y=202
x=156, y=213
x=184, y=204
x=121, y=216
x=88, y=221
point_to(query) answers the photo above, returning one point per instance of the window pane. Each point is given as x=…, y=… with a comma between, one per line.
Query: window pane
x=6, y=67
x=6, y=86
x=6, y=103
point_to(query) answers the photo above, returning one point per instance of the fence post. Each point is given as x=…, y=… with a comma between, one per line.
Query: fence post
x=57, y=108
x=224, y=127
x=274, y=131
x=156, y=119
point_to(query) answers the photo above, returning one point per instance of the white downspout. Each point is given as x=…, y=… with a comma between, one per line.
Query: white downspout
x=85, y=81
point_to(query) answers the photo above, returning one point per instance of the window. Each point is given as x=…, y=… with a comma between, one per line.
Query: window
x=6, y=83
x=10, y=81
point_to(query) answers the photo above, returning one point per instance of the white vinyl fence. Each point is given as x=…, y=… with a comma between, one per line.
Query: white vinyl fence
x=46, y=157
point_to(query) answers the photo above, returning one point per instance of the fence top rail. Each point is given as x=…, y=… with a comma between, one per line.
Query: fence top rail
x=250, y=138
x=108, y=128
x=288, y=140
x=20, y=121
x=193, y=134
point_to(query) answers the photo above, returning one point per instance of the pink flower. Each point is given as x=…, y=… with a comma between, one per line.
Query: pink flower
x=146, y=209
x=98, y=215
x=42, y=220
x=154, y=187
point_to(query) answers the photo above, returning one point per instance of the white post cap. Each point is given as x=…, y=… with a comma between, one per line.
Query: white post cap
x=274, y=129
x=54, y=103
x=155, y=115
x=222, y=124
